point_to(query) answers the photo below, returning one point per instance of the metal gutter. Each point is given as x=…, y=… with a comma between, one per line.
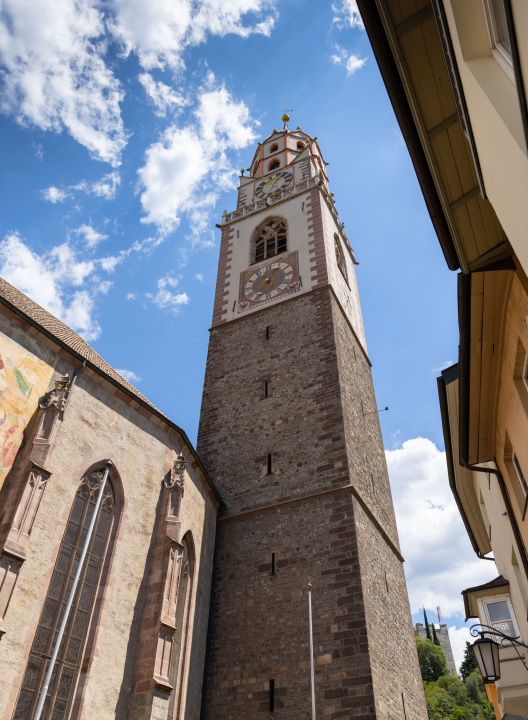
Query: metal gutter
x=122, y=388
x=400, y=105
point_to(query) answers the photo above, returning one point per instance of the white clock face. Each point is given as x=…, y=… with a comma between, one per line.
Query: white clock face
x=269, y=281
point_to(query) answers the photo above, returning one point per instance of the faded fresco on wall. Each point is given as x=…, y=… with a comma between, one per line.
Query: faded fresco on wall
x=24, y=378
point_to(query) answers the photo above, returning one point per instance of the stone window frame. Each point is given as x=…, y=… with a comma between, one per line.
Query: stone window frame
x=113, y=500
x=256, y=241
x=340, y=258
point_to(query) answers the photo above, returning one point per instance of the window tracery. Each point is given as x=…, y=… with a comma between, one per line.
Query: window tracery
x=271, y=239
x=64, y=678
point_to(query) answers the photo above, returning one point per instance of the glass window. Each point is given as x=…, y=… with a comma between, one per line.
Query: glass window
x=340, y=258
x=498, y=29
x=64, y=677
x=519, y=473
x=501, y=617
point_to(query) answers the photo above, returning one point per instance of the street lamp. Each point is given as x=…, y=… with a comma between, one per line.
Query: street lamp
x=487, y=651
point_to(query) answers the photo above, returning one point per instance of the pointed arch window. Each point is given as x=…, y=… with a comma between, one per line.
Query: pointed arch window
x=64, y=677
x=178, y=643
x=271, y=239
x=340, y=258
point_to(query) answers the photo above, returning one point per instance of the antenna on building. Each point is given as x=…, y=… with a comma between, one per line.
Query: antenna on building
x=438, y=613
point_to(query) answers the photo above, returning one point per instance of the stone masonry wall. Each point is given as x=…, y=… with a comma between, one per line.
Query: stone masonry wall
x=445, y=643
x=319, y=511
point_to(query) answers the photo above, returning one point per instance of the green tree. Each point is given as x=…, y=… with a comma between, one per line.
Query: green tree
x=469, y=663
x=438, y=701
x=456, y=688
x=472, y=687
x=435, y=637
x=427, y=629
x=432, y=660
x=458, y=713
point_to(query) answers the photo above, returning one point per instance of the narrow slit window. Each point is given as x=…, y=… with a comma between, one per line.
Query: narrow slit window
x=273, y=564
x=267, y=332
x=266, y=389
x=270, y=240
x=271, y=695
x=270, y=464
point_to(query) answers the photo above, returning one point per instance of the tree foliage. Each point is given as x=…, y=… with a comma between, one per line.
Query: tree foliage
x=432, y=660
x=469, y=663
x=435, y=637
x=427, y=628
x=449, y=698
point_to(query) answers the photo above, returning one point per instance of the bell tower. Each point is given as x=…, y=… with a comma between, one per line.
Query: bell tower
x=288, y=431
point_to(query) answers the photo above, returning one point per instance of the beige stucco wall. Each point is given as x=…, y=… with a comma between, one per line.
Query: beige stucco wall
x=493, y=106
x=98, y=425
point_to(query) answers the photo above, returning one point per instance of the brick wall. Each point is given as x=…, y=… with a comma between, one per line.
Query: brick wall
x=319, y=512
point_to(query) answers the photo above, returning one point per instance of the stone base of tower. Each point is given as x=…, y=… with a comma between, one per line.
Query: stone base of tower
x=365, y=654
x=324, y=514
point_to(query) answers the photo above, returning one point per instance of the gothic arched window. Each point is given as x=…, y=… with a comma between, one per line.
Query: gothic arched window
x=341, y=262
x=270, y=239
x=180, y=635
x=64, y=677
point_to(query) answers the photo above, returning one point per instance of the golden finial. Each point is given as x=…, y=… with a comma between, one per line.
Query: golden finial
x=241, y=171
x=331, y=194
x=298, y=127
x=274, y=129
x=285, y=117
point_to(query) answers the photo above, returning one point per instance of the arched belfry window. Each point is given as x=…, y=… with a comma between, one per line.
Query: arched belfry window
x=61, y=689
x=271, y=239
x=341, y=262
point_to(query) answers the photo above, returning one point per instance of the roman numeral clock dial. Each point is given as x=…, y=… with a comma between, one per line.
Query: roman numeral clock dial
x=268, y=282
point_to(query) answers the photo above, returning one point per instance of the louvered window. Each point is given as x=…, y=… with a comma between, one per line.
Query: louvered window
x=64, y=677
x=271, y=240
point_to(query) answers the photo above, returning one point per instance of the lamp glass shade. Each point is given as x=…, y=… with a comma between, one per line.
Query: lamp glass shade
x=487, y=654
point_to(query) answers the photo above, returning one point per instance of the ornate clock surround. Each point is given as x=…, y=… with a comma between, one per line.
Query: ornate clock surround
x=294, y=285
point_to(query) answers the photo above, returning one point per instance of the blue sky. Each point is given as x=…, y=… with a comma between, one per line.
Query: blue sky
x=123, y=126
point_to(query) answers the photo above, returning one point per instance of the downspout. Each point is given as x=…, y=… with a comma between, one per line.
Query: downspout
x=464, y=314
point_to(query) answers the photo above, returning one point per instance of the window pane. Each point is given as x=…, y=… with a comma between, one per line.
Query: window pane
x=500, y=617
x=520, y=474
x=501, y=28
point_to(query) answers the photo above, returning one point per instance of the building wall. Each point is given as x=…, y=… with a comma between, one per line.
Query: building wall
x=443, y=636
x=493, y=106
x=101, y=423
x=307, y=513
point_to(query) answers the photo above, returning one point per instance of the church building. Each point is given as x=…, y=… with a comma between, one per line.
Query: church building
x=141, y=579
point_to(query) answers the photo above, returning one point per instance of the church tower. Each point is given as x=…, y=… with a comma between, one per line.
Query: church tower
x=290, y=435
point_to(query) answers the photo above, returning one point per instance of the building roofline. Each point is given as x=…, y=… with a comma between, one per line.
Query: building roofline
x=137, y=397
x=400, y=105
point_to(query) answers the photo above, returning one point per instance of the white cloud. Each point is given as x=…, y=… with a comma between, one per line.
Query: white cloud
x=347, y=15
x=158, y=32
x=440, y=561
x=55, y=195
x=55, y=77
x=39, y=151
x=443, y=366
x=129, y=375
x=91, y=236
x=199, y=277
x=131, y=296
x=105, y=188
x=188, y=168
x=163, y=97
x=54, y=280
x=165, y=298
x=109, y=263
x=351, y=62
x=458, y=638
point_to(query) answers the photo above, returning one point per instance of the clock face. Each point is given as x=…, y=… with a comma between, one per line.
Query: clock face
x=273, y=184
x=267, y=282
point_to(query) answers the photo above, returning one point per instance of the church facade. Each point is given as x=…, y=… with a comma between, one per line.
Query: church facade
x=141, y=579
